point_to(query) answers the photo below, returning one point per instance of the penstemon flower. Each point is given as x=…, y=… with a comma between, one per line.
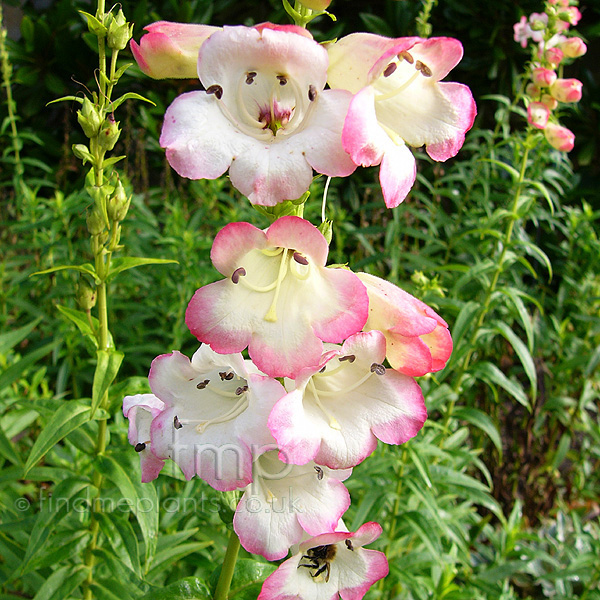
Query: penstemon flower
x=340, y=408
x=286, y=501
x=417, y=338
x=264, y=114
x=328, y=566
x=279, y=299
x=215, y=414
x=400, y=102
x=140, y=410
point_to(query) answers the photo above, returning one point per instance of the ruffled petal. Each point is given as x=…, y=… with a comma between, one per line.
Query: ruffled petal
x=397, y=174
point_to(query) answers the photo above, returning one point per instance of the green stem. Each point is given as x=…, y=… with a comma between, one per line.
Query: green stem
x=490, y=290
x=233, y=547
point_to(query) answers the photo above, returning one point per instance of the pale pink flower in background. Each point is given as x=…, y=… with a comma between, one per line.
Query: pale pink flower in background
x=216, y=409
x=285, y=502
x=543, y=77
x=566, y=90
x=537, y=114
x=264, y=114
x=570, y=14
x=559, y=137
x=338, y=409
x=417, y=338
x=537, y=24
x=329, y=566
x=170, y=50
x=140, y=410
x=522, y=31
x=399, y=101
x=278, y=298
x=573, y=47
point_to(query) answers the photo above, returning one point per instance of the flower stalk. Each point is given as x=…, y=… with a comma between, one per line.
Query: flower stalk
x=228, y=567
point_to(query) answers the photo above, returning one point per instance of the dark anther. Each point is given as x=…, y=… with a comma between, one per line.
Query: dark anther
x=301, y=260
x=407, y=56
x=176, y=423
x=203, y=384
x=312, y=93
x=390, y=69
x=425, y=70
x=240, y=272
x=250, y=77
x=349, y=545
x=319, y=473
x=377, y=369
x=323, y=369
x=241, y=390
x=350, y=358
x=139, y=447
x=217, y=90
x=282, y=79
x=225, y=376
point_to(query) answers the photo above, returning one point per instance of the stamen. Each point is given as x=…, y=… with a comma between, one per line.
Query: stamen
x=139, y=447
x=225, y=376
x=203, y=384
x=272, y=251
x=350, y=358
x=238, y=408
x=407, y=56
x=425, y=70
x=239, y=272
x=319, y=473
x=250, y=77
x=377, y=369
x=333, y=423
x=312, y=93
x=217, y=90
x=350, y=388
x=271, y=315
x=239, y=391
x=349, y=545
x=176, y=423
x=282, y=79
x=302, y=260
x=390, y=69
x=399, y=89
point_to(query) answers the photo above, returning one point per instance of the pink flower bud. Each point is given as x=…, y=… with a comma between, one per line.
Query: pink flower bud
x=316, y=4
x=559, y=137
x=532, y=90
x=537, y=115
x=573, y=47
x=543, y=77
x=566, y=90
x=549, y=101
x=554, y=56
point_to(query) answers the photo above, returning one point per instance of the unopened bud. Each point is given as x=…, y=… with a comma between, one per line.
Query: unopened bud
x=95, y=222
x=119, y=32
x=554, y=56
x=559, y=137
x=86, y=296
x=316, y=4
x=543, y=77
x=573, y=47
x=566, y=90
x=532, y=90
x=549, y=101
x=118, y=204
x=89, y=118
x=109, y=134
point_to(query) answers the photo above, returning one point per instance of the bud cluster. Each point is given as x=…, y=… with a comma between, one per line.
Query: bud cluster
x=551, y=50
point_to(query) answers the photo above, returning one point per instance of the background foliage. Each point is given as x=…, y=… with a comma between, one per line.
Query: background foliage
x=496, y=498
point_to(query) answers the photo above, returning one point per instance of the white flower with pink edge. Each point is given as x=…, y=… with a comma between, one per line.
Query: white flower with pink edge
x=215, y=415
x=284, y=502
x=341, y=407
x=329, y=566
x=400, y=101
x=279, y=299
x=264, y=114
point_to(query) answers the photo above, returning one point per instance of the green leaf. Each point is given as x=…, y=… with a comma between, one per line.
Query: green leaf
x=87, y=268
x=112, y=160
x=490, y=373
x=129, y=262
x=510, y=170
x=69, y=416
x=140, y=498
x=16, y=370
x=524, y=318
x=12, y=338
x=7, y=449
x=94, y=25
x=65, y=98
x=522, y=352
x=190, y=588
x=61, y=583
x=107, y=367
x=122, y=538
x=464, y=321
x=483, y=421
x=248, y=578
x=129, y=96
x=170, y=556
